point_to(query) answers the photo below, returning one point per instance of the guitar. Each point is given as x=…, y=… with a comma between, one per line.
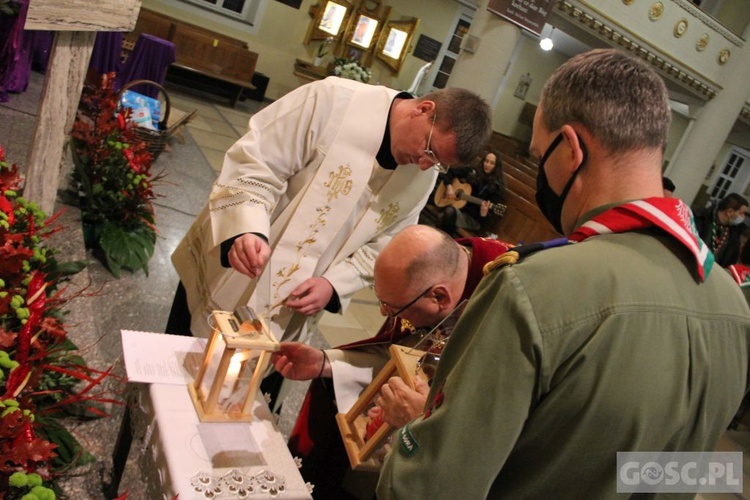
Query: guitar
x=463, y=196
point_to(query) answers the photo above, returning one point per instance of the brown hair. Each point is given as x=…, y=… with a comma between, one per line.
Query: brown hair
x=466, y=114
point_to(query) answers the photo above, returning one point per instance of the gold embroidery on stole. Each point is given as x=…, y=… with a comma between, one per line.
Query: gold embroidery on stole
x=388, y=216
x=338, y=183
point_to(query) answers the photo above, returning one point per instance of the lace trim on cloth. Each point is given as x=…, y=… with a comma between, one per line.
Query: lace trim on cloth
x=235, y=484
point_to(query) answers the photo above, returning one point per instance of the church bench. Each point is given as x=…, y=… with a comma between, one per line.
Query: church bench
x=523, y=222
x=205, y=59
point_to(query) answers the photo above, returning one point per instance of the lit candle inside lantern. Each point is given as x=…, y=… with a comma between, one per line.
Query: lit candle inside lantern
x=235, y=364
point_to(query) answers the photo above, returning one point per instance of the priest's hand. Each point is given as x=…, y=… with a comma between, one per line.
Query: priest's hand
x=249, y=255
x=400, y=403
x=311, y=296
x=298, y=361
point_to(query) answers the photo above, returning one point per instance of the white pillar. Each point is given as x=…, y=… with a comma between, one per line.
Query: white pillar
x=707, y=134
x=483, y=70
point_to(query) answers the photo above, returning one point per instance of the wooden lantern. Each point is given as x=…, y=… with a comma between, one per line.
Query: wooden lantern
x=404, y=362
x=234, y=362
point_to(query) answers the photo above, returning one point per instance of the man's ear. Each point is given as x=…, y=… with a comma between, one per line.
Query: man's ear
x=442, y=296
x=425, y=107
x=576, y=147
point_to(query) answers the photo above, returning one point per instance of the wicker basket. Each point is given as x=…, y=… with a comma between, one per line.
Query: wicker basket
x=156, y=140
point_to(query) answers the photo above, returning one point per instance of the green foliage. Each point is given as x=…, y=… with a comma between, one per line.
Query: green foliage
x=127, y=249
x=114, y=182
x=69, y=451
x=43, y=378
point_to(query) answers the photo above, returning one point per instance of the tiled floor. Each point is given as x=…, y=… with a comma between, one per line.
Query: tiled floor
x=142, y=302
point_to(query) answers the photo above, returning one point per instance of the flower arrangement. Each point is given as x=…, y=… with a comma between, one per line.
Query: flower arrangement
x=113, y=178
x=40, y=371
x=352, y=70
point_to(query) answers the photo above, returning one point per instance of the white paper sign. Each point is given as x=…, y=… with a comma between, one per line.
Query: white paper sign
x=158, y=358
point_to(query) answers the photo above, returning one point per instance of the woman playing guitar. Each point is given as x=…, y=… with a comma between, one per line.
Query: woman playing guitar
x=484, y=184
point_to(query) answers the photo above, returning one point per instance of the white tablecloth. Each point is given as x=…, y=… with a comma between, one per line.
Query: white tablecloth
x=187, y=457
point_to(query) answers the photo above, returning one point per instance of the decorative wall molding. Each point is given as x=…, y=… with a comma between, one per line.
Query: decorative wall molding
x=655, y=11
x=702, y=42
x=681, y=27
x=615, y=34
x=712, y=23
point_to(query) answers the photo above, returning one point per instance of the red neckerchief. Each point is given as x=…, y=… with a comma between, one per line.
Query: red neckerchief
x=740, y=273
x=669, y=214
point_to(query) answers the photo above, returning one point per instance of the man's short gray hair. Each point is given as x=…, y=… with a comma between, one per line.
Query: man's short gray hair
x=620, y=99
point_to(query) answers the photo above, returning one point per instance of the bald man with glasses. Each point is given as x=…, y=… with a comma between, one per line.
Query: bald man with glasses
x=420, y=278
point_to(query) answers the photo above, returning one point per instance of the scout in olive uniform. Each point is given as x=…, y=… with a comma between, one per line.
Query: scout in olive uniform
x=622, y=341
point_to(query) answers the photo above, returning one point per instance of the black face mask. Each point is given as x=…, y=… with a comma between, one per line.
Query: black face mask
x=550, y=203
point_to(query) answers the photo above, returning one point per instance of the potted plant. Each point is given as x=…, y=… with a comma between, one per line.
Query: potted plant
x=113, y=178
x=322, y=52
x=40, y=370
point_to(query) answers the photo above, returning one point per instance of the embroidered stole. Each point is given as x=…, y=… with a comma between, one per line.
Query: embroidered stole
x=330, y=218
x=669, y=214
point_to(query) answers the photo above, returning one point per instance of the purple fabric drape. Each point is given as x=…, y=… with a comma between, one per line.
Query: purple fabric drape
x=149, y=60
x=105, y=57
x=15, y=53
x=42, y=47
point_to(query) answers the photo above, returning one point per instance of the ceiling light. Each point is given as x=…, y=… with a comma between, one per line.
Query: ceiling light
x=546, y=43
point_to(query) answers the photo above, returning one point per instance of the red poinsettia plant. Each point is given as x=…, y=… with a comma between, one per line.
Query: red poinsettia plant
x=41, y=376
x=112, y=173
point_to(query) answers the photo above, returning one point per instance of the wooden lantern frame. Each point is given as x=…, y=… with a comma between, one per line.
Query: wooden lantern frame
x=237, y=336
x=404, y=362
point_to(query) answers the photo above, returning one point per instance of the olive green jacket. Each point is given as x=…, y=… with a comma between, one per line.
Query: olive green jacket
x=568, y=357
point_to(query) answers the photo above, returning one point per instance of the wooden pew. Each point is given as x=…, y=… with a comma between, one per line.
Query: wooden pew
x=201, y=52
x=523, y=222
x=526, y=166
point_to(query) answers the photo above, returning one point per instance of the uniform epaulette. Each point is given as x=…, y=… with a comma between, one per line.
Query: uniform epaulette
x=519, y=252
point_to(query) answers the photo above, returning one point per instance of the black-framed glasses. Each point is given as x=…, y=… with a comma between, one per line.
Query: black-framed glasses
x=386, y=308
x=430, y=154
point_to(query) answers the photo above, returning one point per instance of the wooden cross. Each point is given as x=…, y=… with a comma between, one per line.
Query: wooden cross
x=76, y=23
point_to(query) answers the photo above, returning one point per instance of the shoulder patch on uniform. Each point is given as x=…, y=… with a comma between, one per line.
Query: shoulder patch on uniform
x=407, y=442
x=519, y=252
x=509, y=257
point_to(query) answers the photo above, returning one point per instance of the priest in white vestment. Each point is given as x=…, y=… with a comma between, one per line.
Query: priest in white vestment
x=313, y=191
